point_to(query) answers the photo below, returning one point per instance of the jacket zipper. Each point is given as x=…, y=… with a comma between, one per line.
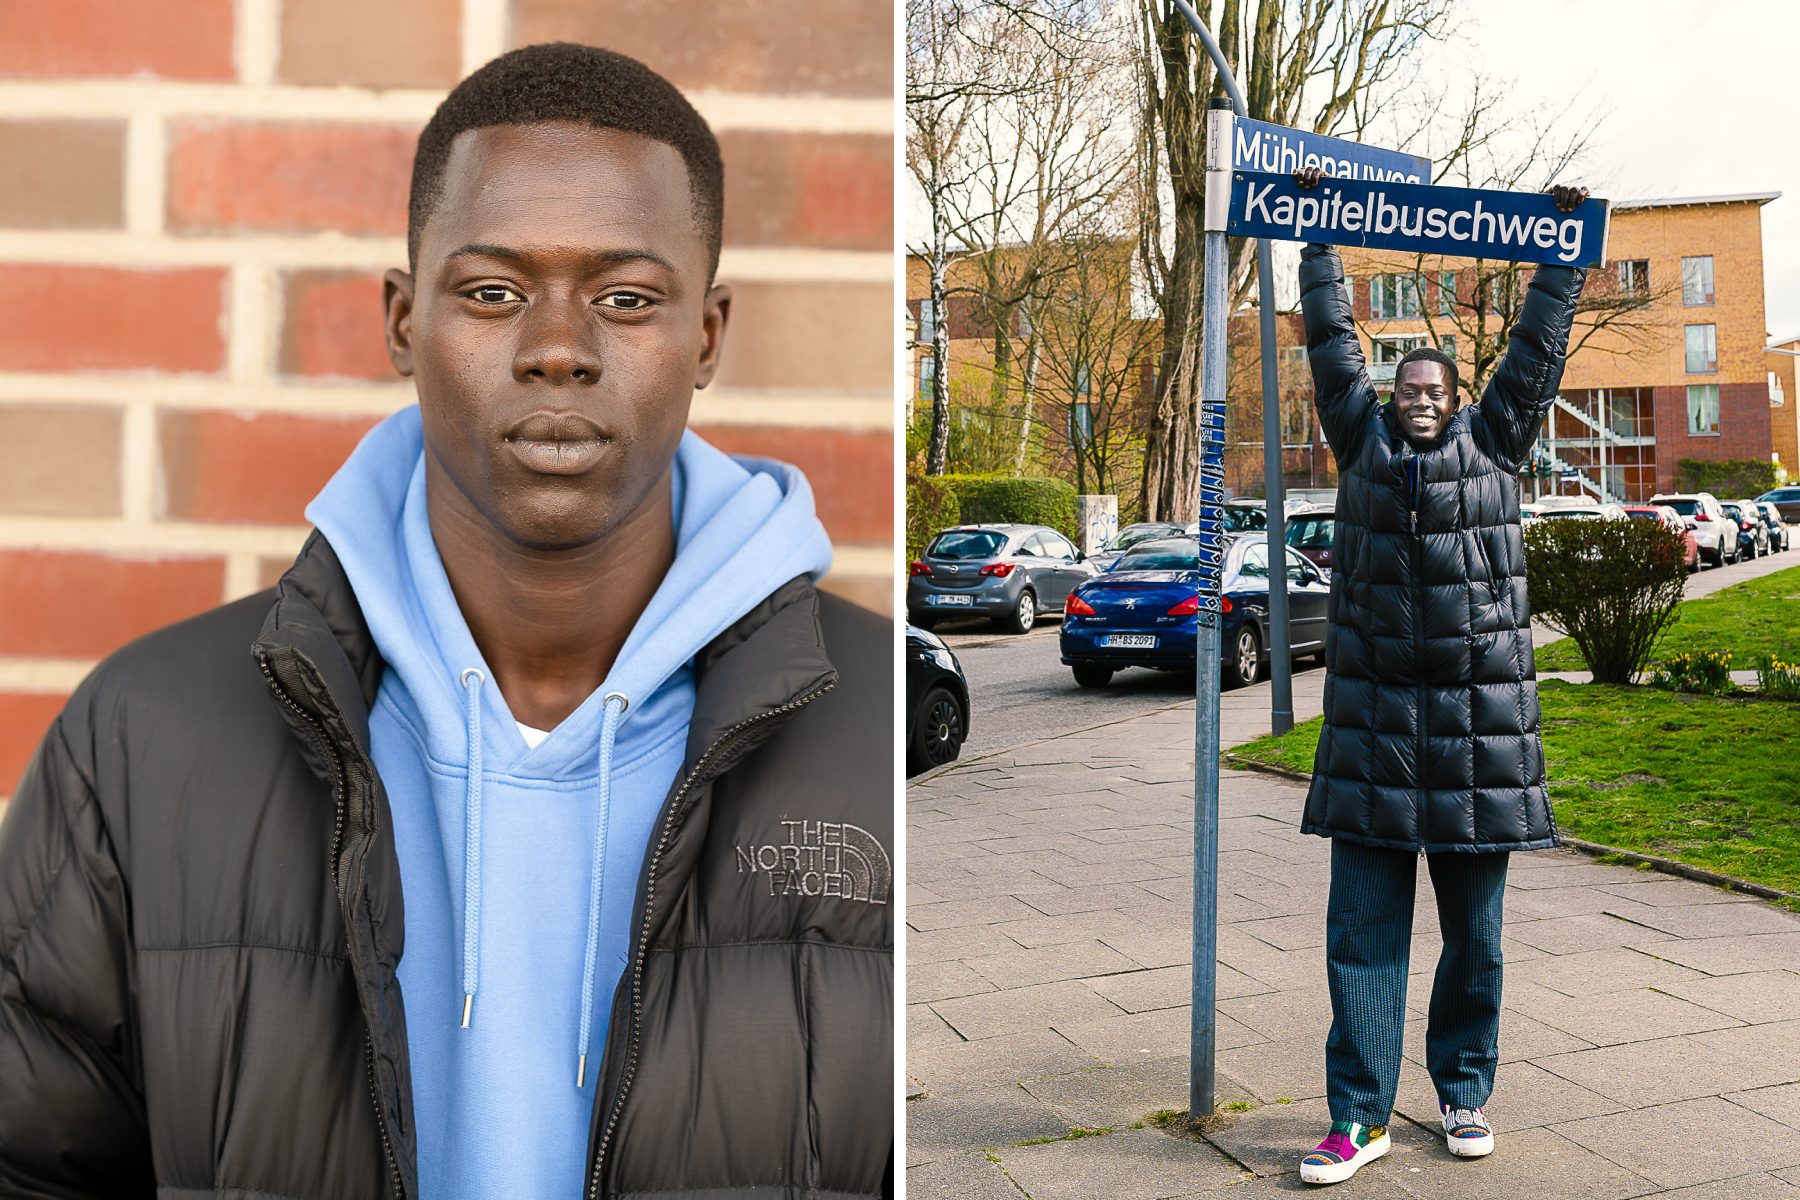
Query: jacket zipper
x=341, y=888
x=1418, y=557
x=676, y=814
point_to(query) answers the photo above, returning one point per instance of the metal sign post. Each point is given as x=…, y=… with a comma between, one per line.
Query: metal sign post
x=1214, y=288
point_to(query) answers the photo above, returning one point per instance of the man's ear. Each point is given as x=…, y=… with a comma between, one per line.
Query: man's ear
x=397, y=305
x=712, y=333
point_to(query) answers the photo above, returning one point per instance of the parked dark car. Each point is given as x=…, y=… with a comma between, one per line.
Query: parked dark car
x=1126, y=538
x=1010, y=573
x=1787, y=500
x=1690, y=549
x=1145, y=612
x=1753, y=536
x=937, y=702
x=1778, y=530
x=1309, y=531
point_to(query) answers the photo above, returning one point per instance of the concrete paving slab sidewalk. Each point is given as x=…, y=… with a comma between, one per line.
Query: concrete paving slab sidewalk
x=1650, y=1039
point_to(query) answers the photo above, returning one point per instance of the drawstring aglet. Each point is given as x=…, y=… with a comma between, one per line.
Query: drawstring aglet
x=581, y=1073
x=468, y=1003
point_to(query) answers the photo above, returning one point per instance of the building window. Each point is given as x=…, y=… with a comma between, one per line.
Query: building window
x=927, y=374
x=1702, y=349
x=1447, y=344
x=1446, y=293
x=927, y=323
x=1634, y=277
x=1777, y=394
x=1703, y=409
x=1081, y=423
x=1396, y=297
x=1697, y=280
x=1390, y=350
x=1350, y=290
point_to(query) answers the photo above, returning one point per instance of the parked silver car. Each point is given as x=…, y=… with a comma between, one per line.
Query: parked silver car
x=1010, y=573
x=1715, y=533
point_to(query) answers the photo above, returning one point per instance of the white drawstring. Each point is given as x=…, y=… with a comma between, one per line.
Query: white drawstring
x=472, y=845
x=616, y=704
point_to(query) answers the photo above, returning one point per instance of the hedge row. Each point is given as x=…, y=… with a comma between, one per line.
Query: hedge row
x=934, y=502
x=1728, y=479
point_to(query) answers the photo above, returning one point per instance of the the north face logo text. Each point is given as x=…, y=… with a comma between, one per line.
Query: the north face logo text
x=822, y=858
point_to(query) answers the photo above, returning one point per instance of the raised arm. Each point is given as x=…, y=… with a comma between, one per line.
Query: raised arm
x=1341, y=389
x=1524, y=386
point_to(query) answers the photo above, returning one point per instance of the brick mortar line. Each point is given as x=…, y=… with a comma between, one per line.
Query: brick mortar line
x=823, y=411
x=146, y=174
x=47, y=675
x=312, y=103
x=484, y=28
x=330, y=250
x=256, y=42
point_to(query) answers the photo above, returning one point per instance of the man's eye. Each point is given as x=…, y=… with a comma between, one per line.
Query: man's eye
x=625, y=301
x=493, y=293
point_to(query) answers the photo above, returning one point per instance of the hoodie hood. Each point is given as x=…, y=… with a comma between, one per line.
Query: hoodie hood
x=743, y=527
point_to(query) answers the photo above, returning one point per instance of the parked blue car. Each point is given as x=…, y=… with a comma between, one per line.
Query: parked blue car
x=1145, y=612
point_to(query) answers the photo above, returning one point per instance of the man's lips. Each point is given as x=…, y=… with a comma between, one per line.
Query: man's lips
x=557, y=443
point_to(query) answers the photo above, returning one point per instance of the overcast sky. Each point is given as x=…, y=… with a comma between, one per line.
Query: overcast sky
x=1698, y=97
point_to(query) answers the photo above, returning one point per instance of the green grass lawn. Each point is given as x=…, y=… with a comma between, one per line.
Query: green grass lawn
x=1760, y=616
x=1709, y=780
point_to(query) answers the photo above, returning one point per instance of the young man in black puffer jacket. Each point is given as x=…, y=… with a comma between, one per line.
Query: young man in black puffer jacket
x=1430, y=745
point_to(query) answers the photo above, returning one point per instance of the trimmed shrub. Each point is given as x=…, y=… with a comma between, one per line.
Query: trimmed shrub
x=930, y=506
x=1613, y=586
x=1728, y=479
x=999, y=499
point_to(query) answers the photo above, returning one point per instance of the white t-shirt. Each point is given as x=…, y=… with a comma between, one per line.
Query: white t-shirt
x=532, y=736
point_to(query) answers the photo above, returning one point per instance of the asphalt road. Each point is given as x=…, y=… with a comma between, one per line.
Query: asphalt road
x=1021, y=692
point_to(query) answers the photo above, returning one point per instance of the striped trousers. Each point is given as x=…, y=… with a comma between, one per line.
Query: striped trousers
x=1368, y=933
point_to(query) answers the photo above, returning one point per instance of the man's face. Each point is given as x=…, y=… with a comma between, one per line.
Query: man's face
x=557, y=324
x=1424, y=400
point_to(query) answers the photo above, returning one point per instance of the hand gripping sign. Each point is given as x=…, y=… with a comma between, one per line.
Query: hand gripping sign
x=1385, y=215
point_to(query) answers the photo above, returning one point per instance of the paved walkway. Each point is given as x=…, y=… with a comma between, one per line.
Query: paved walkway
x=1650, y=1041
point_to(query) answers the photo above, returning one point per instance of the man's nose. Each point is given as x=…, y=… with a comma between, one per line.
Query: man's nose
x=557, y=344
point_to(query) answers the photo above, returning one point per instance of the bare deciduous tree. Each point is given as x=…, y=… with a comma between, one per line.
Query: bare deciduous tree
x=1324, y=65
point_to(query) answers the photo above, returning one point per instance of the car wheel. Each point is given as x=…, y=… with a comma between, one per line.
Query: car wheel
x=1243, y=658
x=1092, y=675
x=1024, y=613
x=938, y=734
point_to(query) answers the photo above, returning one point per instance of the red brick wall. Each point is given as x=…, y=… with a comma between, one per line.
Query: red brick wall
x=1743, y=429
x=197, y=200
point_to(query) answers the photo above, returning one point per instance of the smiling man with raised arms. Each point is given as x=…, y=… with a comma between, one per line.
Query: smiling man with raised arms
x=1430, y=745
x=424, y=875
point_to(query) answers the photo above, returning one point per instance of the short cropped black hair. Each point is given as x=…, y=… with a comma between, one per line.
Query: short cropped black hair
x=1427, y=354
x=562, y=81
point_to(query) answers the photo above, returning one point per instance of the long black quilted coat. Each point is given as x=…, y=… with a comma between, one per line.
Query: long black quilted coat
x=1431, y=710
x=200, y=920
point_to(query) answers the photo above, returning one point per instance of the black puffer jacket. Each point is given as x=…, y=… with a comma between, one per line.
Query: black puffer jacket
x=1431, y=710
x=200, y=921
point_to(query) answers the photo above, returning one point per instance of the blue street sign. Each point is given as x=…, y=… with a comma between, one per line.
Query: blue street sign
x=1278, y=150
x=1461, y=222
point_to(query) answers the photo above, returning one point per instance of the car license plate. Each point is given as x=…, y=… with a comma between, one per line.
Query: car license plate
x=942, y=600
x=1130, y=641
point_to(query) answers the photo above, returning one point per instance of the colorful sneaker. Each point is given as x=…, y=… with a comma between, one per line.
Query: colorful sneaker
x=1466, y=1132
x=1344, y=1152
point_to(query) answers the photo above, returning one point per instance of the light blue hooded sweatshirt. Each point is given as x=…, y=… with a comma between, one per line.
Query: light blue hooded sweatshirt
x=519, y=865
